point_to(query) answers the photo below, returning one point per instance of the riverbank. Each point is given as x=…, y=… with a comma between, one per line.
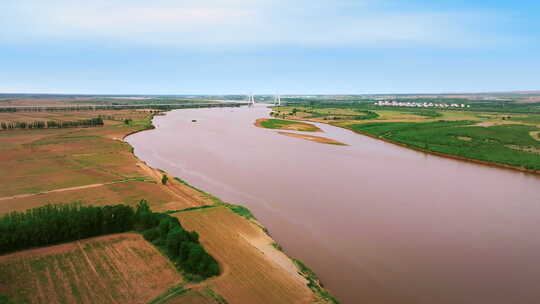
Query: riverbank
x=318, y=139
x=254, y=233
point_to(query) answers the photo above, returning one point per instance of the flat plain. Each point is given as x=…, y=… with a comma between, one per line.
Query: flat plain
x=88, y=165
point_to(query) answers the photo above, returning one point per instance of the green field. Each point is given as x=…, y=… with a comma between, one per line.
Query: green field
x=492, y=136
x=506, y=144
x=288, y=125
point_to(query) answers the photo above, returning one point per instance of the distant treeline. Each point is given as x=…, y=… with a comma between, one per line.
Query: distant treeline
x=53, y=224
x=120, y=107
x=93, y=122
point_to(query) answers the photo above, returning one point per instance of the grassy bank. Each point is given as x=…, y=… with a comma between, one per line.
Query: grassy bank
x=314, y=282
x=286, y=125
x=238, y=209
x=504, y=144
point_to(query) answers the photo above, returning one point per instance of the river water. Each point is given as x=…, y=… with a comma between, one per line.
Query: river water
x=377, y=222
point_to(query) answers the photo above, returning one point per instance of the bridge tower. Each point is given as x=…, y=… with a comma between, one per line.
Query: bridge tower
x=251, y=99
x=277, y=99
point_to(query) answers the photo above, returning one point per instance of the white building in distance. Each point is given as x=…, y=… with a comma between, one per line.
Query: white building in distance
x=393, y=103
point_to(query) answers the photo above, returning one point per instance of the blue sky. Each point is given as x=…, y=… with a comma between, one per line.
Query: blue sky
x=265, y=46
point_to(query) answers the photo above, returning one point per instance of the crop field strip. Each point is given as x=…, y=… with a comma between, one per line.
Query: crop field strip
x=67, y=157
x=45, y=160
x=37, y=161
x=121, y=268
x=74, y=157
x=490, y=144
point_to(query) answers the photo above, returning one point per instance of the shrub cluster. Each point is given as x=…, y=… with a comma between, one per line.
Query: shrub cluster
x=182, y=246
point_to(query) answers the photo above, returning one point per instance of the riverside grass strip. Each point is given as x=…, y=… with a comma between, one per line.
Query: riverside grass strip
x=286, y=125
x=489, y=144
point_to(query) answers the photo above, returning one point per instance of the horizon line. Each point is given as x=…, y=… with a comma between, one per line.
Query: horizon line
x=532, y=91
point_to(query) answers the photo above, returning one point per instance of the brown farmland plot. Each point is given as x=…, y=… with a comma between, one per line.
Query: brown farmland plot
x=42, y=160
x=253, y=270
x=121, y=268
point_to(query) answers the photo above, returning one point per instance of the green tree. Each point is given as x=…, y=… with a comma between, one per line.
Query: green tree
x=163, y=228
x=151, y=234
x=174, y=239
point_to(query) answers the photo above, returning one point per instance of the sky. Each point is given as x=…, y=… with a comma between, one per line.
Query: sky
x=268, y=46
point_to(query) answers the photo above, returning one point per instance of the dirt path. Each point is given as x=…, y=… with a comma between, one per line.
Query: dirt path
x=186, y=196
x=64, y=189
x=53, y=191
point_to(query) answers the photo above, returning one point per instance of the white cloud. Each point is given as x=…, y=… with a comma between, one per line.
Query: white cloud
x=232, y=23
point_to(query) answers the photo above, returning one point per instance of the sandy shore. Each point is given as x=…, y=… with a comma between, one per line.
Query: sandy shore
x=319, y=139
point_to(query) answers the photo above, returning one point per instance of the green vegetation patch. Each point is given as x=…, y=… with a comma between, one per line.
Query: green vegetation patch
x=334, y=112
x=169, y=294
x=491, y=144
x=427, y=113
x=313, y=282
x=534, y=119
x=191, y=209
x=180, y=245
x=284, y=124
x=277, y=246
x=238, y=209
x=367, y=115
x=216, y=297
x=5, y=300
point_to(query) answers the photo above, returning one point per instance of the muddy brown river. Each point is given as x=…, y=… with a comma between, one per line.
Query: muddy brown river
x=377, y=222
